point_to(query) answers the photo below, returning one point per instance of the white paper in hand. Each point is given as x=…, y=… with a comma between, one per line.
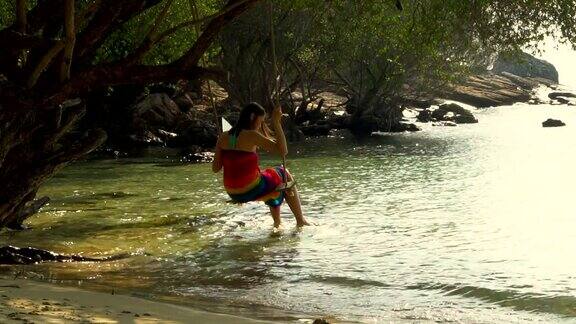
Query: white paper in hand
x=225, y=125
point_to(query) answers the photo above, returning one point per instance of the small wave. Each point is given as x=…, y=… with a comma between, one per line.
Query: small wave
x=533, y=302
x=347, y=281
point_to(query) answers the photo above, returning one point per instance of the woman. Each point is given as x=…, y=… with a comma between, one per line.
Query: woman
x=243, y=179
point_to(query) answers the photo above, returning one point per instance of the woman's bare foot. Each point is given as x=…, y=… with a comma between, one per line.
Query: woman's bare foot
x=302, y=223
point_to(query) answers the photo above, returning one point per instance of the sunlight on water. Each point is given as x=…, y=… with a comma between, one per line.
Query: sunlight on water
x=471, y=223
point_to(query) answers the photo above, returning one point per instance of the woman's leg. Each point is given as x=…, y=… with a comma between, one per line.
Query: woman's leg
x=275, y=211
x=293, y=199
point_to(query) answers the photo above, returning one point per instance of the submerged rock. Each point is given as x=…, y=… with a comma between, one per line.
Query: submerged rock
x=27, y=255
x=553, y=123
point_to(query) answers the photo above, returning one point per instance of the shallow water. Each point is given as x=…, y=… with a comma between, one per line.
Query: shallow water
x=473, y=223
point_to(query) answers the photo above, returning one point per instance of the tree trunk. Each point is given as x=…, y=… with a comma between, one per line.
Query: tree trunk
x=33, y=146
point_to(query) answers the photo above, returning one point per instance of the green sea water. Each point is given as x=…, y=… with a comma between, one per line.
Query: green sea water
x=474, y=223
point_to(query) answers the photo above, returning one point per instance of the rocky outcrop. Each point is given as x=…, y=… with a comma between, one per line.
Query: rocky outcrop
x=565, y=98
x=490, y=90
x=553, y=123
x=447, y=113
x=525, y=65
x=157, y=120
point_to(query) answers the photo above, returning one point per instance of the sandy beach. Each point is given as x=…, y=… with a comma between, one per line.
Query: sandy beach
x=24, y=301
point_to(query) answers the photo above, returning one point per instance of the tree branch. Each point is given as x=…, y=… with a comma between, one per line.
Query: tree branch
x=20, y=41
x=87, y=12
x=233, y=9
x=150, y=39
x=117, y=74
x=110, y=15
x=70, y=39
x=146, y=46
x=154, y=28
x=44, y=62
x=43, y=14
x=21, y=11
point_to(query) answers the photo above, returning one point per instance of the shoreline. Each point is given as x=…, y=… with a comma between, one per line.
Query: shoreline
x=28, y=301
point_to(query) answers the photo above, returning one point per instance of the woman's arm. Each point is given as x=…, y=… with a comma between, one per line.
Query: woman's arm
x=273, y=146
x=217, y=163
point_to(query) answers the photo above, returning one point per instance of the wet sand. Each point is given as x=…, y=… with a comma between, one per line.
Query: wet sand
x=24, y=301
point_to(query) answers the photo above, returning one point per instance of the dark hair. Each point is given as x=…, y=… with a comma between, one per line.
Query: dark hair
x=246, y=117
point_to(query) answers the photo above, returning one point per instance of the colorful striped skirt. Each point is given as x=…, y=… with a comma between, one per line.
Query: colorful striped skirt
x=263, y=188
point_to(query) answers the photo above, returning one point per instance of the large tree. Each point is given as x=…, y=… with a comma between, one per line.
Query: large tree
x=55, y=53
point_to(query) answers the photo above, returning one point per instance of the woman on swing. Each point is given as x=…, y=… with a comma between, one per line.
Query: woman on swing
x=243, y=179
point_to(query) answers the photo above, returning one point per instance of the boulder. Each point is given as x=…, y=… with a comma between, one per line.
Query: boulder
x=448, y=113
x=403, y=127
x=561, y=97
x=553, y=123
x=424, y=116
x=199, y=132
x=525, y=65
x=157, y=111
x=460, y=114
x=184, y=102
x=146, y=138
x=489, y=90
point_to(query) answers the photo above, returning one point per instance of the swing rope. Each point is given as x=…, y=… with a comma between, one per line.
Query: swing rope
x=286, y=185
x=276, y=75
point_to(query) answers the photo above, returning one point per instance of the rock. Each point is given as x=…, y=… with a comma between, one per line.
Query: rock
x=445, y=123
x=561, y=96
x=489, y=90
x=158, y=111
x=152, y=121
x=196, y=154
x=320, y=321
x=404, y=127
x=553, y=123
x=525, y=65
x=419, y=102
x=449, y=113
x=148, y=138
x=27, y=255
x=465, y=119
x=165, y=136
x=195, y=132
x=424, y=116
x=184, y=102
